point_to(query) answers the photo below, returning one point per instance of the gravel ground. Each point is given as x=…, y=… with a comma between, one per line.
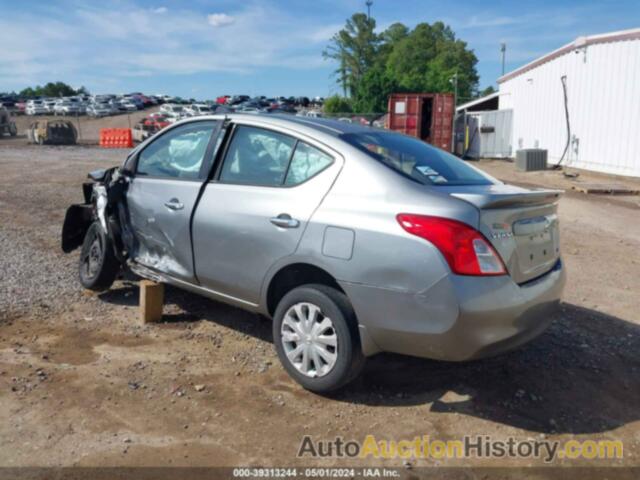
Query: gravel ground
x=35, y=272
x=83, y=383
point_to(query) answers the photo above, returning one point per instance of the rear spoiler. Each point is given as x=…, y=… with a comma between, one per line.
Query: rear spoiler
x=490, y=200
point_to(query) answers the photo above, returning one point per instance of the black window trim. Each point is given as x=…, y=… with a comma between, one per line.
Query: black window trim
x=208, y=153
x=231, y=134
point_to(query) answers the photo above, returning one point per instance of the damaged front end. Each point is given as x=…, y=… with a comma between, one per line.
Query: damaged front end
x=105, y=203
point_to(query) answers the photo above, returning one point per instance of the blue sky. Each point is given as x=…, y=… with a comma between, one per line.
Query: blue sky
x=201, y=48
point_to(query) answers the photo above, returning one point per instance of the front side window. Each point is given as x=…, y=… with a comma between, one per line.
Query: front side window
x=257, y=157
x=306, y=162
x=416, y=159
x=178, y=153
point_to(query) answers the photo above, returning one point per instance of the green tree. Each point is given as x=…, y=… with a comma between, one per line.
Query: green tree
x=372, y=92
x=52, y=89
x=487, y=91
x=355, y=49
x=337, y=104
x=424, y=59
x=428, y=57
x=389, y=39
x=28, y=92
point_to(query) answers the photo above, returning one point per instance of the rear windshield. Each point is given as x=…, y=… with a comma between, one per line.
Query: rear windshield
x=416, y=159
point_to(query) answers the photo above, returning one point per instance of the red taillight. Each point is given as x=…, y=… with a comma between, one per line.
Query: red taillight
x=465, y=249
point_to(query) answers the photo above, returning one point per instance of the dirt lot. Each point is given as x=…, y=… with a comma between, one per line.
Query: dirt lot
x=88, y=128
x=82, y=383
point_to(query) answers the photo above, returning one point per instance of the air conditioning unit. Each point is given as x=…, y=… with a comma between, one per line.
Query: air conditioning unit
x=531, y=159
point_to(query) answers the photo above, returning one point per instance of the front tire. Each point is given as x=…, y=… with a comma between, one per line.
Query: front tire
x=315, y=333
x=98, y=265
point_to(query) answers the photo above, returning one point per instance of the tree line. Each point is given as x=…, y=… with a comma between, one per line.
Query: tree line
x=51, y=89
x=371, y=65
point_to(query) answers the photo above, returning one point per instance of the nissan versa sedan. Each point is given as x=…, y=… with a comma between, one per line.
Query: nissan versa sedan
x=354, y=240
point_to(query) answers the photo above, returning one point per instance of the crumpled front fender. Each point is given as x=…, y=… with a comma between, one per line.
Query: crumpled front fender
x=76, y=223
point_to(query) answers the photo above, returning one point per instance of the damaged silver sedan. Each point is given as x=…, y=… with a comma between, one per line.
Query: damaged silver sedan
x=354, y=240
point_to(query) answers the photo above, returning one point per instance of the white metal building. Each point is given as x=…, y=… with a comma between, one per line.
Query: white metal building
x=602, y=78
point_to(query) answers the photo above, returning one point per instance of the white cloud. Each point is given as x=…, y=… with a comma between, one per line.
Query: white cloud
x=220, y=19
x=160, y=10
x=102, y=45
x=490, y=21
x=324, y=34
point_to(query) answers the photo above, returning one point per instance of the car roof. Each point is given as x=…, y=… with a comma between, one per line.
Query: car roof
x=328, y=126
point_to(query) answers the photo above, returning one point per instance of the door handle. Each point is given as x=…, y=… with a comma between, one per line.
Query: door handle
x=174, y=204
x=284, y=220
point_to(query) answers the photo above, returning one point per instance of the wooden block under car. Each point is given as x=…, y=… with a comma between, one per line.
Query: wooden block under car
x=151, y=301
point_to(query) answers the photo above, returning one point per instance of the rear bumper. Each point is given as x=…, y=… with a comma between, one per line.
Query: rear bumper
x=457, y=318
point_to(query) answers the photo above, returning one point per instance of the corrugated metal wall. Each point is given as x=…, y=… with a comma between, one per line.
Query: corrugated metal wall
x=491, y=142
x=603, y=87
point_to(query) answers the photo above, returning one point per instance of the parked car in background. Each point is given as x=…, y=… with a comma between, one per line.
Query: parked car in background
x=237, y=99
x=20, y=107
x=249, y=108
x=35, y=107
x=9, y=102
x=50, y=104
x=270, y=213
x=197, y=109
x=136, y=100
x=156, y=121
x=172, y=109
x=80, y=104
x=302, y=102
x=116, y=106
x=99, y=110
x=66, y=107
x=282, y=108
x=310, y=113
x=128, y=106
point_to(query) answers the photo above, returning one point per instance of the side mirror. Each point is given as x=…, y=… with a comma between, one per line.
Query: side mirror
x=125, y=172
x=128, y=168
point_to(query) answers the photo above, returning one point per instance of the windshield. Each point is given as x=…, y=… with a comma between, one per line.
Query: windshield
x=416, y=159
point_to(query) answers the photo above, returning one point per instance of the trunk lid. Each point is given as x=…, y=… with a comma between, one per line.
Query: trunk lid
x=521, y=224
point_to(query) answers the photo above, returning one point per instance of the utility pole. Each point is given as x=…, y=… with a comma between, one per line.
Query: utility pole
x=368, y=3
x=454, y=80
x=503, y=50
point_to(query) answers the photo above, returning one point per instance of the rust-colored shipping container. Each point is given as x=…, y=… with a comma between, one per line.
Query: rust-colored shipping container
x=427, y=116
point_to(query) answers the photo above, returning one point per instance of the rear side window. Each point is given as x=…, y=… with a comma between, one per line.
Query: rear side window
x=416, y=159
x=306, y=162
x=257, y=157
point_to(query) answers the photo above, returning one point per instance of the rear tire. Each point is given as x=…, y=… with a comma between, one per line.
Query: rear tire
x=98, y=265
x=315, y=332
